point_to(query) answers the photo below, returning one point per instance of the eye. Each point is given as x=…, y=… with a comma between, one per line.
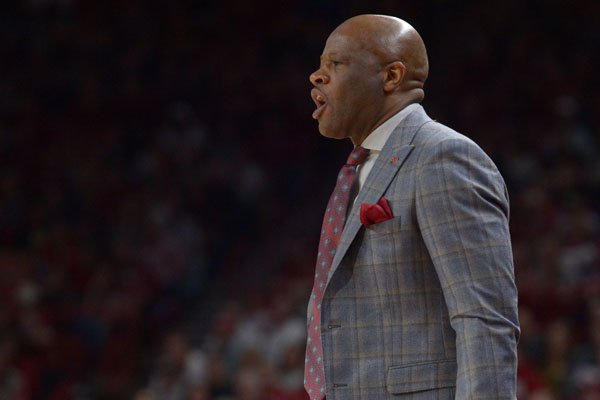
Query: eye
x=330, y=63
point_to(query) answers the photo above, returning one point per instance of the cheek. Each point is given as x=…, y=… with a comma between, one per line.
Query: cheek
x=359, y=89
x=350, y=99
x=353, y=104
x=347, y=100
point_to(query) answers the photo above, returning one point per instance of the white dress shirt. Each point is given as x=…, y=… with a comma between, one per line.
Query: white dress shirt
x=377, y=139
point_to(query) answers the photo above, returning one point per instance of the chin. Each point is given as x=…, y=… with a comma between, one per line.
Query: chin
x=329, y=133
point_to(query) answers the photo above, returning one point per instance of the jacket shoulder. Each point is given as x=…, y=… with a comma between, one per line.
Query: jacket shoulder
x=434, y=133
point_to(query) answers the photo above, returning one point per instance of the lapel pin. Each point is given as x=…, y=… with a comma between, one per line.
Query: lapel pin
x=394, y=160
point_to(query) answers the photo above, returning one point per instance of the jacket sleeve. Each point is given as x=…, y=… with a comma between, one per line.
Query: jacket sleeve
x=462, y=211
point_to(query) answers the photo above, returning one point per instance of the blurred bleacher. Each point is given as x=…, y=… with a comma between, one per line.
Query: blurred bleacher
x=162, y=186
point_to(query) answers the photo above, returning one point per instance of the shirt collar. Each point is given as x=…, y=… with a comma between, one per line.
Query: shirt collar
x=376, y=139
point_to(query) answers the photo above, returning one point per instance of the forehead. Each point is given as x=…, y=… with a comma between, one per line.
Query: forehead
x=351, y=46
x=342, y=44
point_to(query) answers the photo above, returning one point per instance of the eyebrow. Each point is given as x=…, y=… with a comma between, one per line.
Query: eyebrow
x=337, y=56
x=328, y=55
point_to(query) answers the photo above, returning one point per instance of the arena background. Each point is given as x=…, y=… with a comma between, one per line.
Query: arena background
x=162, y=186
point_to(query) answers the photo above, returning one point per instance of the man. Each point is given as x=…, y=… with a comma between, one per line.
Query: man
x=414, y=294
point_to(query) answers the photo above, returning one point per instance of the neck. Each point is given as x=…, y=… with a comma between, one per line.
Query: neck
x=388, y=113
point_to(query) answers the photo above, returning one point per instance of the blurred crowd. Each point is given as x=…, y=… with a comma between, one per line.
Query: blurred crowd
x=162, y=187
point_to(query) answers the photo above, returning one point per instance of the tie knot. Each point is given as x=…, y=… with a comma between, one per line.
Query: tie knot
x=358, y=155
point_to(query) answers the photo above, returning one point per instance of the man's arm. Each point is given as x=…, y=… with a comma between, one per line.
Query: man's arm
x=462, y=210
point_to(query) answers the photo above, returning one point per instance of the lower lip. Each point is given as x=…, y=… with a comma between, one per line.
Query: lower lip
x=317, y=113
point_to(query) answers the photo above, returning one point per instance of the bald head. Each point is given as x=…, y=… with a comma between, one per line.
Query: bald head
x=391, y=39
x=372, y=67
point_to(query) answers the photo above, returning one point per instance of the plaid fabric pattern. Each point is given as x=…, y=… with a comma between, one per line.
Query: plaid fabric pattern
x=424, y=306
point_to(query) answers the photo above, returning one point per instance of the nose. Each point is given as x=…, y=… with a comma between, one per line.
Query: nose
x=318, y=77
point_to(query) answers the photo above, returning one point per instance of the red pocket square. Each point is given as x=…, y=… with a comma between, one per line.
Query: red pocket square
x=375, y=213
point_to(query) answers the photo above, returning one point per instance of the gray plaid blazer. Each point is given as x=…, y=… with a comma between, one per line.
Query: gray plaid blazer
x=424, y=306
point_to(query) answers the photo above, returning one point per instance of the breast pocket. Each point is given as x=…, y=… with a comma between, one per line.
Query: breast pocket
x=384, y=228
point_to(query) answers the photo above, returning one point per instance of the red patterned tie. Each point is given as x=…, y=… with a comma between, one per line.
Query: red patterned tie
x=333, y=225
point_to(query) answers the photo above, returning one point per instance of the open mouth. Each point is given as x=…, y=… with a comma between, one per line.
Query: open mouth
x=320, y=102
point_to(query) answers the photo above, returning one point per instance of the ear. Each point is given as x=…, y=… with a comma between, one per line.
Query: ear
x=394, y=75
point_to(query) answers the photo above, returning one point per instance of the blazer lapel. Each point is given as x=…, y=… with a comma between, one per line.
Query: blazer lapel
x=391, y=158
